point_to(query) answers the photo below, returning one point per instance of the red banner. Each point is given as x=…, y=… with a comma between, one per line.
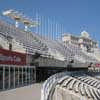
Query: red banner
x=12, y=58
x=97, y=65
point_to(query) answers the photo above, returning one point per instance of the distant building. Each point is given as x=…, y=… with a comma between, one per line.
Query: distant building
x=84, y=41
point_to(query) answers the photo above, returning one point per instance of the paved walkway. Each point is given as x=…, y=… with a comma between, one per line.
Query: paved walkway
x=32, y=92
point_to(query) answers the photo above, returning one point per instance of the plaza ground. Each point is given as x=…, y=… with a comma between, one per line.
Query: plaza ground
x=32, y=92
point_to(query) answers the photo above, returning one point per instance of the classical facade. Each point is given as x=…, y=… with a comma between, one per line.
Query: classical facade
x=84, y=41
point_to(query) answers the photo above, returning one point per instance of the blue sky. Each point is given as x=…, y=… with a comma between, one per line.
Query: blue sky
x=75, y=15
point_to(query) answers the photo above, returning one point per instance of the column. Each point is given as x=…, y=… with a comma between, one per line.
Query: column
x=29, y=76
x=26, y=74
x=18, y=75
x=3, y=77
x=34, y=73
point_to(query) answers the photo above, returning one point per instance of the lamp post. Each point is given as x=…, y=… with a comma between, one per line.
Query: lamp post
x=9, y=38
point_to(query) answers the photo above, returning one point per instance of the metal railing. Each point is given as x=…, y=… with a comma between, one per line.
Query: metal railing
x=12, y=76
x=49, y=84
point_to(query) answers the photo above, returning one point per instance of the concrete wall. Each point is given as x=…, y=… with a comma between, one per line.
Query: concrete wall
x=50, y=62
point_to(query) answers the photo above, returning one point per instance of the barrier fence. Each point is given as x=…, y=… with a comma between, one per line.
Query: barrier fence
x=13, y=76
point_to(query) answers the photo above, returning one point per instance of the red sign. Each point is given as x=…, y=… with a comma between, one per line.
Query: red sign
x=97, y=65
x=12, y=58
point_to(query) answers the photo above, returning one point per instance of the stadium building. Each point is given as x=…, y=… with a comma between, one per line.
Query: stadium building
x=27, y=57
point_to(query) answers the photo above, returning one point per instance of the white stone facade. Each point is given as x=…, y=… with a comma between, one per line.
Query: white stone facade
x=83, y=41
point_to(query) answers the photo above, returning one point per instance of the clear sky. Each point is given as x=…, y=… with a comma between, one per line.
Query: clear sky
x=76, y=15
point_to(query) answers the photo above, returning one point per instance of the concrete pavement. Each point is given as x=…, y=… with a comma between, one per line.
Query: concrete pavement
x=32, y=92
